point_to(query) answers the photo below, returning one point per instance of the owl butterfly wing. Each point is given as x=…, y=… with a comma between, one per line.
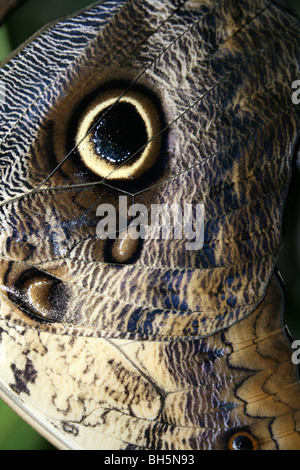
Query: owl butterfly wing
x=120, y=343
x=237, y=389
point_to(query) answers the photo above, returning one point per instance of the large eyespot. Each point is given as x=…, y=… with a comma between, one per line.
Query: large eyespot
x=39, y=295
x=118, y=136
x=243, y=441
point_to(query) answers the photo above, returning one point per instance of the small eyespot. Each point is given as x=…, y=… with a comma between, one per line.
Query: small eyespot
x=243, y=441
x=125, y=248
x=40, y=296
x=119, y=136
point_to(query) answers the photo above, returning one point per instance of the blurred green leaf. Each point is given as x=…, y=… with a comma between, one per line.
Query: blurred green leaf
x=15, y=434
x=5, y=46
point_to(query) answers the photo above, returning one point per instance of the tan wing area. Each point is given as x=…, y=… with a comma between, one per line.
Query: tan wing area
x=96, y=393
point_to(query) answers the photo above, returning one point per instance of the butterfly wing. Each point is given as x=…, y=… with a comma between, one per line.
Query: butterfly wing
x=236, y=389
x=138, y=347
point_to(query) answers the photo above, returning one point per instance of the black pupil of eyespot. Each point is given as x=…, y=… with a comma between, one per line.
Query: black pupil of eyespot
x=242, y=443
x=120, y=134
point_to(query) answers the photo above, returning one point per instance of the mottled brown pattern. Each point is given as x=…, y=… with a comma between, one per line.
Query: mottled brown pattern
x=156, y=347
x=231, y=103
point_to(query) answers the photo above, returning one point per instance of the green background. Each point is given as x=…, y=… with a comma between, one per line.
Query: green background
x=15, y=434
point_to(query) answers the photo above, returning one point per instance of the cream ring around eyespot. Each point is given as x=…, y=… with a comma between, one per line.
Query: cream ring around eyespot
x=134, y=167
